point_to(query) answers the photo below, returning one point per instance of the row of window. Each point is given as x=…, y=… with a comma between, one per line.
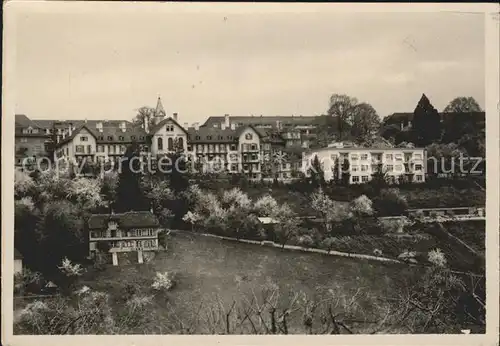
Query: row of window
x=80, y=149
x=29, y=131
x=122, y=234
x=218, y=137
x=249, y=146
x=111, y=138
x=366, y=178
x=364, y=157
x=134, y=244
x=170, y=143
x=389, y=168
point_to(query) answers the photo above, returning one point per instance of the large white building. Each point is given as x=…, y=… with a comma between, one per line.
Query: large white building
x=363, y=162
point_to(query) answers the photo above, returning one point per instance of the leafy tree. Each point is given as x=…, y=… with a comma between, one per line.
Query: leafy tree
x=129, y=195
x=109, y=183
x=443, y=159
x=287, y=225
x=144, y=113
x=330, y=211
x=266, y=205
x=426, y=126
x=361, y=206
x=390, y=202
x=343, y=108
x=462, y=105
x=365, y=122
x=62, y=236
x=379, y=177
x=390, y=131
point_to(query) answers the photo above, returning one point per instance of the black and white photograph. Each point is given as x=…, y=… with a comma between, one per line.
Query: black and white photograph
x=234, y=170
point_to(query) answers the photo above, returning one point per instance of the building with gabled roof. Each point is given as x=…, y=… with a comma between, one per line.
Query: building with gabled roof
x=134, y=231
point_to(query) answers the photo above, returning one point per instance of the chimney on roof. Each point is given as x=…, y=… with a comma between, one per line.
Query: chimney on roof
x=175, y=116
x=226, y=121
x=223, y=126
x=70, y=129
x=233, y=126
x=186, y=125
x=99, y=126
x=196, y=126
x=278, y=124
x=123, y=126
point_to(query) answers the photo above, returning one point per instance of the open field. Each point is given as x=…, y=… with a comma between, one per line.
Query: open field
x=212, y=271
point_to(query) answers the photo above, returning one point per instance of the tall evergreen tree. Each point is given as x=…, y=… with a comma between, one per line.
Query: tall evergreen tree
x=345, y=175
x=426, y=126
x=129, y=194
x=316, y=173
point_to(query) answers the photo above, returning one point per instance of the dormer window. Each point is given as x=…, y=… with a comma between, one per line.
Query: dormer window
x=112, y=225
x=101, y=138
x=248, y=136
x=121, y=138
x=110, y=138
x=209, y=137
x=198, y=137
x=133, y=138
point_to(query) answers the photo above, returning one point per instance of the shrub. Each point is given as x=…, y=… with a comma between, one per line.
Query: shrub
x=305, y=240
x=437, y=258
x=163, y=281
x=408, y=256
x=390, y=202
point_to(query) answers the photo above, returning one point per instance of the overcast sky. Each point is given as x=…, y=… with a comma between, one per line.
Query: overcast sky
x=104, y=65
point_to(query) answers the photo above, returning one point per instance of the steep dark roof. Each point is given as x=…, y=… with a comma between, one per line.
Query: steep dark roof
x=111, y=133
x=163, y=122
x=17, y=254
x=74, y=133
x=228, y=135
x=212, y=135
x=408, y=116
x=261, y=120
x=23, y=121
x=128, y=220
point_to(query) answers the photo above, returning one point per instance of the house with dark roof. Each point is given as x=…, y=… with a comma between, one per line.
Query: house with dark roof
x=134, y=231
x=295, y=130
x=30, y=139
x=97, y=141
x=248, y=145
x=405, y=119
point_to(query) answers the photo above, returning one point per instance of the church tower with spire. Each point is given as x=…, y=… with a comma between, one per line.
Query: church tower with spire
x=159, y=113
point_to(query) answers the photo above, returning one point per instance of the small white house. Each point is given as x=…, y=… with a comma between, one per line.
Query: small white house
x=18, y=262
